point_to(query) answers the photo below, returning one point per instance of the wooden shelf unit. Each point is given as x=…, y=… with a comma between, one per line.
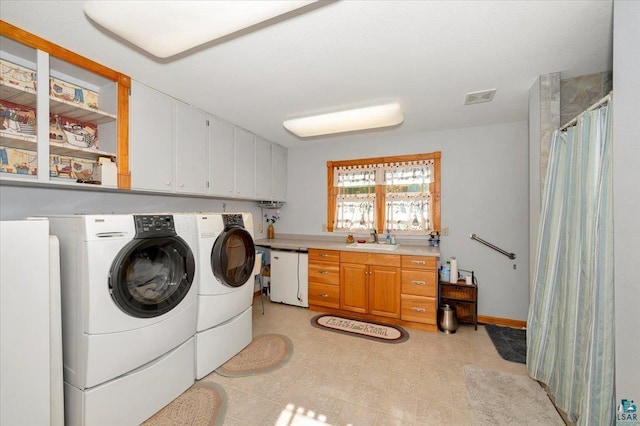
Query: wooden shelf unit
x=464, y=297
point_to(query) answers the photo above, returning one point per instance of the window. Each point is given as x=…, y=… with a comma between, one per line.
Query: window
x=390, y=194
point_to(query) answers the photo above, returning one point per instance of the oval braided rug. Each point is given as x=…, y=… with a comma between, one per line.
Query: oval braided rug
x=203, y=404
x=264, y=354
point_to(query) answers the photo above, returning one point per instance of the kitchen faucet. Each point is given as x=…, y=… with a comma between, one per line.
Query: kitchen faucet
x=374, y=234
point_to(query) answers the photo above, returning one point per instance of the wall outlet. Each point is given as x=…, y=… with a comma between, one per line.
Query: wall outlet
x=445, y=231
x=324, y=227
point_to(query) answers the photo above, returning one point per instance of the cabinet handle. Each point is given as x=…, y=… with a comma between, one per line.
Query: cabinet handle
x=182, y=185
x=324, y=295
x=418, y=282
x=323, y=255
x=323, y=272
x=418, y=309
x=418, y=262
x=168, y=183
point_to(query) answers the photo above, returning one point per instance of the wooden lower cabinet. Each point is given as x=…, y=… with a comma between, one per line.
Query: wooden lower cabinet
x=324, y=278
x=419, y=309
x=397, y=289
x=420, y=289
x=370, y=283
x=353, y=287
x=384, y=291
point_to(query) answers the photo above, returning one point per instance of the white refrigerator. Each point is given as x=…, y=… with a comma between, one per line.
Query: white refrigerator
x=290, y=277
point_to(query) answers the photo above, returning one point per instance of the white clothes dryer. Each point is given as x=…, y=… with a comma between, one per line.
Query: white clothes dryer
x=226, y=266
x=129, y=292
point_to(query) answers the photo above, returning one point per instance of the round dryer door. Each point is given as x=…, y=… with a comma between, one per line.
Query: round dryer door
x=233, y=256
x=151, y=276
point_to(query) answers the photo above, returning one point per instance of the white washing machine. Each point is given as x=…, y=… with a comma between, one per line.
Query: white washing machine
x=227, y=266
x=129, y=291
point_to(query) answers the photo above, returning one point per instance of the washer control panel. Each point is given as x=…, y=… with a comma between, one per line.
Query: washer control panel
x=148, y=226
x=230, y=220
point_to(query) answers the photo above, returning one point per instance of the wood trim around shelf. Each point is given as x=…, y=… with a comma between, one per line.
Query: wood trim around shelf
x=123, y=83
x=124, y=174
x=483, y=319
x=32, y=40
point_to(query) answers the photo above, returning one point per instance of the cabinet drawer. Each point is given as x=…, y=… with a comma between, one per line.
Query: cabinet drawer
x=324, y=295
x=324, y=255
x=370, y=258
x=419, y=283
x=419, y=262
x=324, y=272
x=418, y=309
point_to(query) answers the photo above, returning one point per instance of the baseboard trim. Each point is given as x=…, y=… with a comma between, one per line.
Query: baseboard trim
x=483, y=319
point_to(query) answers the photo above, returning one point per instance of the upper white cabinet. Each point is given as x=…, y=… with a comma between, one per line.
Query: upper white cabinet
x=278, y=173
x=60, y=112
x=245, y=168
x=221, y=158
x=151, y=139
x=176, y=148
x=191, y=145
x=168, y=143
x=240, y=164
x=263, y=168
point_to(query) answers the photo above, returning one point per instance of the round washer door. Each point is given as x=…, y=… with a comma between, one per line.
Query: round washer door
x=150, y=277
x=233, y=256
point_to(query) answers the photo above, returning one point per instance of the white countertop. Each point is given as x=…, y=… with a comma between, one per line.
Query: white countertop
x=331, y=243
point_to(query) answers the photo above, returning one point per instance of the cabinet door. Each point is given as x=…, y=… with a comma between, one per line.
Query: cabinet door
x=245, y=167
x=353, y=287
x=278, y=173
x=150, y=139
x=384, y=291
x=263, y=169
x=221, y=157
x=191, y=143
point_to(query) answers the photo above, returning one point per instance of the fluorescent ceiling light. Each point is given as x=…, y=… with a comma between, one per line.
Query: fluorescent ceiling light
x=346, y=121
x=166, y=28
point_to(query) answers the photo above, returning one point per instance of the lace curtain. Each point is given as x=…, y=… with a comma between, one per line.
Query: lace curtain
x=406, y=196
x=355, y=203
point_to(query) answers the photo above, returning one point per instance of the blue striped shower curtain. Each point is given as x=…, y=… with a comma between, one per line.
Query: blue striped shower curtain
x=570, y=328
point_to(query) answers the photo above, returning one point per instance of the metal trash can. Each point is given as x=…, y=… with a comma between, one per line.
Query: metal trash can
x=447, y=320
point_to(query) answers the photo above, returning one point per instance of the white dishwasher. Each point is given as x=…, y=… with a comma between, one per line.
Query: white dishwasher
x=290, y=276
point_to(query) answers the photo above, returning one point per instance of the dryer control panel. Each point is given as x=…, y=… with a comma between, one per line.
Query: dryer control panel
x=230, y=220
x=150, y=226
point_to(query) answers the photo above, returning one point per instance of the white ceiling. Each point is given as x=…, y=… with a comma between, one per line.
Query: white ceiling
x=334, y=55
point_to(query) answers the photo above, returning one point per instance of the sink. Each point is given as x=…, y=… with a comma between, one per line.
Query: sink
x=373, y=246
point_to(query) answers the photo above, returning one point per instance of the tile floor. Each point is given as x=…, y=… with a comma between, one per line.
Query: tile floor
x=335, y=379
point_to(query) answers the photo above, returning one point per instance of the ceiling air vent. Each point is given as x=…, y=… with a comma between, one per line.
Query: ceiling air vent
x=479, y=97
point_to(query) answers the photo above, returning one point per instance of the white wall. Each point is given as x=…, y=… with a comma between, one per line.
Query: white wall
x=626, y=191
x=19, y=202
x=485, y=191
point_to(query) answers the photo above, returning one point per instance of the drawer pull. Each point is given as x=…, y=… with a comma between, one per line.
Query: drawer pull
x=418, y=282
x=323, y=272
x=323, y=255
x=418, y=262
x=418, y=309
x=324, y=295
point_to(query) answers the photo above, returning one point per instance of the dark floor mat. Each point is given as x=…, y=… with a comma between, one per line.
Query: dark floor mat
x=511, y=343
